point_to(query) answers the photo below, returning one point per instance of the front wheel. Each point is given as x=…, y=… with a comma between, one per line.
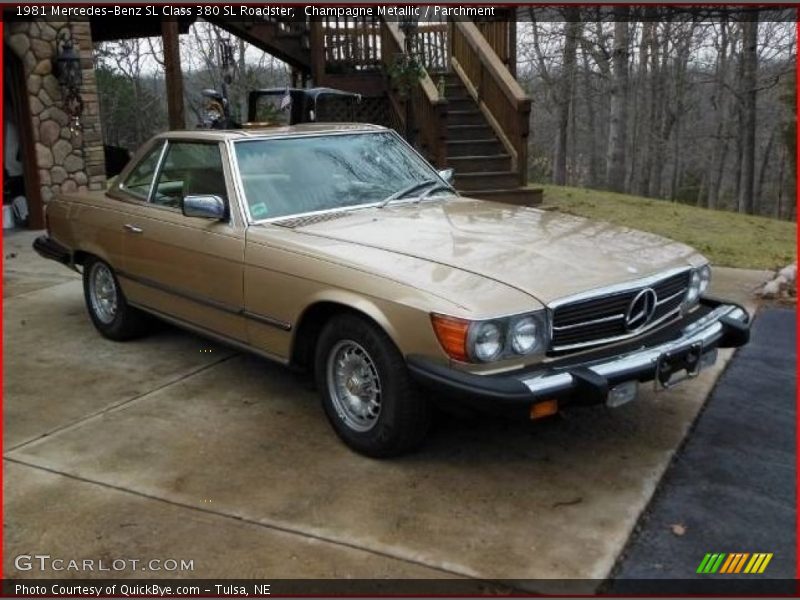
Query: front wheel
x=107, y=306
x=367, y=393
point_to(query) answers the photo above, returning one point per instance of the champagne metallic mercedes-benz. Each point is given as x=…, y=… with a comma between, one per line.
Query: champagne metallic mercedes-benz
x=340, y=250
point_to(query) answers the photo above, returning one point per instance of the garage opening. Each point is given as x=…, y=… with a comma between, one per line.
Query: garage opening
x=22, y=201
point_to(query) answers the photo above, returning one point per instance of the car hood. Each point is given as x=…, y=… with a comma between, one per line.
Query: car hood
x=545, y=254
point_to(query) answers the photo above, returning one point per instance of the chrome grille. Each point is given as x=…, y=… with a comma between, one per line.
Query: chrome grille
x=601, y=318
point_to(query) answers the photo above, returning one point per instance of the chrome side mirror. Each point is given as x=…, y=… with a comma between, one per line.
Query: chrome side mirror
x=205, y=207
x=449, y=175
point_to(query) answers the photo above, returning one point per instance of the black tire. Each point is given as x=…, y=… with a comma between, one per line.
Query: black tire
x=404, y=415
x=123, y=322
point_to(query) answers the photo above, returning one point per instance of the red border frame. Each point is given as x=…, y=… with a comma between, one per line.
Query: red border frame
x=504, y=5
x=2, y=264
x=797, y=323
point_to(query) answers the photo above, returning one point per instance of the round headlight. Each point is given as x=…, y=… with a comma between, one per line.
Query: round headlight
x=525, y=335
x=487, y=341
x=693, y=292
x=705, y=278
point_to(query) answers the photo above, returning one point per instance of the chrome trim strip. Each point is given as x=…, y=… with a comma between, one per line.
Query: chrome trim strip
x=218, y=337
x=221, y=306
x=619, y=287
x=592, y=322
x=283, y=325
x=707, y=330
x=625, y=336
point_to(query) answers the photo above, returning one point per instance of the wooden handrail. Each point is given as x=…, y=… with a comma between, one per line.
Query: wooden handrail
x=399, y=39
x=492, y=62
x=429, y=107
x=500, y=98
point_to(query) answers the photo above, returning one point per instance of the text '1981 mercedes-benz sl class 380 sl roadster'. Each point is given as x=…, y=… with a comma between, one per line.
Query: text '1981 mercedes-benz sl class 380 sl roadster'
x=340, y=250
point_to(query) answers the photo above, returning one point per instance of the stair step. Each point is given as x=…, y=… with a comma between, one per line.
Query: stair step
x=474, y=147
x=465, y=117
x=518, y=196
x=469, y=132
x=455, y=91
x=466, y=103
x=487, y=180
x=480, y=164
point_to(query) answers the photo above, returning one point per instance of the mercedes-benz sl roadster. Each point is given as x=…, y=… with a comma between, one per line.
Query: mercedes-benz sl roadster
x=339, y=250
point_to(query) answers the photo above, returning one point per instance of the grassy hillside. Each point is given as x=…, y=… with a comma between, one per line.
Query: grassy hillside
x=727, y=239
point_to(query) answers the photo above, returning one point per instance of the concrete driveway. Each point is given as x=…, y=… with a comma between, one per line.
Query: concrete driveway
x=174, y=447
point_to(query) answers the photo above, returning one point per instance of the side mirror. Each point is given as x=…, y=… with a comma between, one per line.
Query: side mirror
x=205, y=207
x=448, y=175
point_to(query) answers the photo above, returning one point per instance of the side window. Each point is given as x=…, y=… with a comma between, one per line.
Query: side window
x=189, y=169
x=139, y=182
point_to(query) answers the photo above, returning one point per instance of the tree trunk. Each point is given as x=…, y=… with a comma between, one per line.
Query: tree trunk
x=719, y=148
x=588, y=89
x=748, y=91
x=618, y=121
x=565, y=94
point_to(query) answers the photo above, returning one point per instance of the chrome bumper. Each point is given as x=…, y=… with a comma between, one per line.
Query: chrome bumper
x=707, y=331
x=587, y=379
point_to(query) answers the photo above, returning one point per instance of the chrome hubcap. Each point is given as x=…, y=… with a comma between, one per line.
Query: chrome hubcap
x=354, y=385
x=103, y=293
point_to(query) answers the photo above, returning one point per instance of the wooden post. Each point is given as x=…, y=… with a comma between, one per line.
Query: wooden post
x=172, y=71
x=317, y=44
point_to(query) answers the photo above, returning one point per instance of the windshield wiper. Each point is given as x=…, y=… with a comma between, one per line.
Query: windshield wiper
x=435, y=188
x=406, y=191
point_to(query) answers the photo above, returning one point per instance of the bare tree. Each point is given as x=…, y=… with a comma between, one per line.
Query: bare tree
x=618, y=118
x=749, y=68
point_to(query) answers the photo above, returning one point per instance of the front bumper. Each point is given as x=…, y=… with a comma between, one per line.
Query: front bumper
x=587, y=379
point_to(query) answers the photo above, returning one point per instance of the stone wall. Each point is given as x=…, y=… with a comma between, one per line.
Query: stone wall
x=67, y=160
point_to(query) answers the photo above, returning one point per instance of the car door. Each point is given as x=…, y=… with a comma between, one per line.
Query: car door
x=100, y=225
x=188, y=268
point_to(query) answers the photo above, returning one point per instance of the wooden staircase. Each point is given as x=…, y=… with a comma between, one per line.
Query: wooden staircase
x=482, y=164
x=286, y=39
x=476, y=123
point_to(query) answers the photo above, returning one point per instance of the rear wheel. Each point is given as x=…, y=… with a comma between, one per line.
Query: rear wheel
x=367, y=393
x=107, y=306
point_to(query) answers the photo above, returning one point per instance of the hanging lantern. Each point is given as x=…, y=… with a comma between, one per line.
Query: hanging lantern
x=70, y=76
x=68, y=65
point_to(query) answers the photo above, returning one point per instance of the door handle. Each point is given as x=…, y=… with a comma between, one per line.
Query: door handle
x=132, y=228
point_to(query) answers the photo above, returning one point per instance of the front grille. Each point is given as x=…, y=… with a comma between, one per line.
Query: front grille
x=602, y=318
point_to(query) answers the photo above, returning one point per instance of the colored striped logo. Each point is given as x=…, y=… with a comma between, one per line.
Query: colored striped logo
x=733, y=563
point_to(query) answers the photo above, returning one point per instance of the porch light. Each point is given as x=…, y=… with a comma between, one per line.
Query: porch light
x=68, y=65
x=70, y=76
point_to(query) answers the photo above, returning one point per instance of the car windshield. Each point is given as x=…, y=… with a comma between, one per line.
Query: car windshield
x=292, y=176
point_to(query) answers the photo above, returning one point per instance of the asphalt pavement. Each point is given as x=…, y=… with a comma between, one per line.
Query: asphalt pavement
x=731, y=489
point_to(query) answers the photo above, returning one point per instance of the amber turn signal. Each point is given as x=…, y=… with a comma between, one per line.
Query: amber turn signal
x=452, y=335
x=544, y=409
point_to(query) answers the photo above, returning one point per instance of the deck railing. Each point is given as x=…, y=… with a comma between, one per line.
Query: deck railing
x=429, y=107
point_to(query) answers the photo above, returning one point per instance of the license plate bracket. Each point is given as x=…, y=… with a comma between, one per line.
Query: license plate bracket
x=678, y=365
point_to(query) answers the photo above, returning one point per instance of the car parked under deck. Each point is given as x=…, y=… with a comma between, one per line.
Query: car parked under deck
x=339, y=249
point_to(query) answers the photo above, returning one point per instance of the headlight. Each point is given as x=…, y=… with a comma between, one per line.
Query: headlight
x=485, y=341
x=525, y=335
x=698, y=284
x=490, y=340
x=693, y=292
x=705, y=278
